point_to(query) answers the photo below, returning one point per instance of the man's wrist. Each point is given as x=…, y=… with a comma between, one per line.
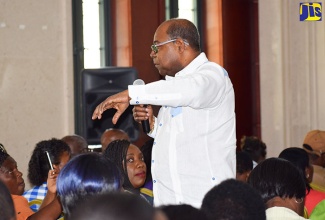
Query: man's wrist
x=152, y=126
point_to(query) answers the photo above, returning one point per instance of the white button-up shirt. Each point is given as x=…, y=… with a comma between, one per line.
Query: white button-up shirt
x=195, y=131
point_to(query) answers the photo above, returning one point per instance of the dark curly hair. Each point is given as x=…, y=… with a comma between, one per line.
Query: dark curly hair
x=39, y=166
x=254, y=146
x=116, y=152
x=233, y=200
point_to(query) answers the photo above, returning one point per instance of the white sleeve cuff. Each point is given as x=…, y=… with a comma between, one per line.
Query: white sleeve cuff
x=135, y=92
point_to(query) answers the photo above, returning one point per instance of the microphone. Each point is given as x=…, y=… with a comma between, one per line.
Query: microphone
x=145, y=123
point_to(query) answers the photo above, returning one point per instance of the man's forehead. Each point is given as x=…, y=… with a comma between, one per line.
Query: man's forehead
x=161, y=33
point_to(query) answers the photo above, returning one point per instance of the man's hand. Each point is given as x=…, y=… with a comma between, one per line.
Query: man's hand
x=119, y=101
x=141, y=113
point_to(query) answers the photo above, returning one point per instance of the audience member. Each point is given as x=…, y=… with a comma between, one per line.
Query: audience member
x=85, y=175
x=244, y=166
x=39, y=166
x=130, y=161
x=12, y=178
x=7, y=209
x=314, y=144
x=77, y=144
x=115, y=206
x=146, y=189
x=300, y=159
x=112, y=134
x=255, y=147
x=282, y=187
x=182, y=211
x=197, y=109
x=233, y=200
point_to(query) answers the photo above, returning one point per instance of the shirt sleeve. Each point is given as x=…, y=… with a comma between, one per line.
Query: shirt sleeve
x=22, y=208
x=203, y=89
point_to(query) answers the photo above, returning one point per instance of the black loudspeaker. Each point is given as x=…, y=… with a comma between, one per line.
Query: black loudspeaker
x=97, y=85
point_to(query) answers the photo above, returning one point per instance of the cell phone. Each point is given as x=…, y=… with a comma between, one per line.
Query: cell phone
x=48, y=157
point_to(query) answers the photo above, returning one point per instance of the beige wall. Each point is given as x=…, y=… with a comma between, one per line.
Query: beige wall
x=36, y=74
x=292, y=61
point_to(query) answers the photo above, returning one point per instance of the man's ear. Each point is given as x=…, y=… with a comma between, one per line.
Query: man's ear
x=180, y=45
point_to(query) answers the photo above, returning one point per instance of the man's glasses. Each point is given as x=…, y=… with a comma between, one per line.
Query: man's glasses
x=154, y=47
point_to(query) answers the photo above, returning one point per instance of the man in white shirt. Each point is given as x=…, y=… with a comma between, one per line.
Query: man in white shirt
x=194, y=132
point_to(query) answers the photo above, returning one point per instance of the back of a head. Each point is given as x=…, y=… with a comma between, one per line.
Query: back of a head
x=299, y=158
x=117, y=206
x=38, y=165
x=77, y=144
x=233, y=200
x=84, y=175
x=112, y=134
x=185, y=29
x=243, y=162
x=255, y=147
x=183, y=211
x=277, y=177
x=7, y=209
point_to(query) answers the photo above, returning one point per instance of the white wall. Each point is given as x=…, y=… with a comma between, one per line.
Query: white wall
x=292, y=73
x=36, y=74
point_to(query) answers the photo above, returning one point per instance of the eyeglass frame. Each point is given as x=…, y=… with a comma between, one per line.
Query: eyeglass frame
x=154, y=47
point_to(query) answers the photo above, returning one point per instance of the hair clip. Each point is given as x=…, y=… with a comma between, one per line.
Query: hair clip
x=2, y=148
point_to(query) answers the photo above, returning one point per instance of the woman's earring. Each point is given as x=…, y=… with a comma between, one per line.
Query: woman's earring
x=307, y=176
x=300, y=200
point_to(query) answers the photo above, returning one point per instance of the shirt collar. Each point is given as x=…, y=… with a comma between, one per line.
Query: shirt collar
x=198, y=61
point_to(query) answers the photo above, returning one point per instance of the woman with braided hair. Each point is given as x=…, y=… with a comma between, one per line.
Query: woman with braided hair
x=130, y=161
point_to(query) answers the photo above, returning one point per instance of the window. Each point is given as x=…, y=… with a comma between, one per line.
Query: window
x=91, y=34
x=182, y=9
x=188, y=9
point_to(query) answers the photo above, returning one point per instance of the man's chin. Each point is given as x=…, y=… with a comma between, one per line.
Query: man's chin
x=161, y=73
